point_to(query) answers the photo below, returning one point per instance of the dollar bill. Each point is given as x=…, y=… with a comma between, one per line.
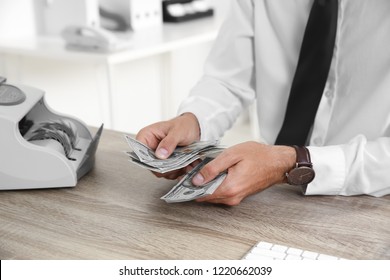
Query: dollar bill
x=181, y=157
x=143, y=152
x=184, y=190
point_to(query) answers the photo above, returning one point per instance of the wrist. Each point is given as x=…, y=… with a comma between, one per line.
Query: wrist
x=192, y=125
x=286, y=161
x=303, y=173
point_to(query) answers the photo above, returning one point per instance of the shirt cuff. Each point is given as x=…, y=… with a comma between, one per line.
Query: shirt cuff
x=212, y=122
x=200, y=114
x=329, y=166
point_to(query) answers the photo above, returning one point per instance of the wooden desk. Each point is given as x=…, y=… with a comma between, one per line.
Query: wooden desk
x=115, y=212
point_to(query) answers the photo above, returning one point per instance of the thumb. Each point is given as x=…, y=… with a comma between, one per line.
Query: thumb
x=211, y=170
x=166, y=146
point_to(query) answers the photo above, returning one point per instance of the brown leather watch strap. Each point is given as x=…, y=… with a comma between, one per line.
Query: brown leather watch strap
x=303, y=156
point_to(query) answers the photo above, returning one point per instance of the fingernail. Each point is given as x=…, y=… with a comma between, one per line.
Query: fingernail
x=198, y=179
x=162, y=153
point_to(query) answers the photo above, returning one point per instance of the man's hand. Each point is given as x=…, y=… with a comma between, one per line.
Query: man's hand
x=252, y=167
x=164, y=137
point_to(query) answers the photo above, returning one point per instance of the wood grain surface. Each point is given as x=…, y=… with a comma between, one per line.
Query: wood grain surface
x=115, y=212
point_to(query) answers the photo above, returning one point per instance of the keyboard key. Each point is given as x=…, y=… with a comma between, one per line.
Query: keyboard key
x=269, y=251
x=293, y=258
x=309, y=255
x=279, y=248
x=264, y=245
x=294, y=251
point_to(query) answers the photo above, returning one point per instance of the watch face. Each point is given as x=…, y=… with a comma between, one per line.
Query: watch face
x=301, y=175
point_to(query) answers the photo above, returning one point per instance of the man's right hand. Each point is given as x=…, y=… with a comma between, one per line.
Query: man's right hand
x=165, y=136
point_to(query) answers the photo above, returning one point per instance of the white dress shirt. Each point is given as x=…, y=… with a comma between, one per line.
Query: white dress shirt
x=254, y=59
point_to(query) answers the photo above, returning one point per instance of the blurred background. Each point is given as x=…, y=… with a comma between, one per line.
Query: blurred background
x=136, y=72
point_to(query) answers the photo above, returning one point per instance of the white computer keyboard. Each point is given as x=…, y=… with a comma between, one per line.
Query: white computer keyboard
x=269, y=251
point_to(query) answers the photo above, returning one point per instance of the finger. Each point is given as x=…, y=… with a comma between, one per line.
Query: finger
x=221, y=163
x=225, y=201
x=167, y=145
x=220, y=198
x=148, y=136
x=188, y=168
x=228, y=193
x=219, y=193
x=192, y=165
x=170, y=175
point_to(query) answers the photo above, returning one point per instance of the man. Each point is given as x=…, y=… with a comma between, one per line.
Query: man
x=255, y=58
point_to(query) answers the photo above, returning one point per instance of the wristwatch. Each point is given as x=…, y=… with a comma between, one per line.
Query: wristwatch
x=303, y=172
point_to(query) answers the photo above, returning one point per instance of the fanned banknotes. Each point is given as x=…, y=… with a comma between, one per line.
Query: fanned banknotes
x=186, y=191
x=181, y=157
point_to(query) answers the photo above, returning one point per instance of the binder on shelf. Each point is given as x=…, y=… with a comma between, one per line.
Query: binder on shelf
x=138, y=14
x=185, y=10
x=41, y=148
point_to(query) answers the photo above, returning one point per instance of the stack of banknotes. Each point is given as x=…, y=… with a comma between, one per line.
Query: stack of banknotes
x=184, y=190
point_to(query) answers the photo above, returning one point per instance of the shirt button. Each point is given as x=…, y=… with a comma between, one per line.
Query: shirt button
x=328, y=94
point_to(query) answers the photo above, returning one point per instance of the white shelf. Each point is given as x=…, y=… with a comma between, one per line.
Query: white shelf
x=148, y=42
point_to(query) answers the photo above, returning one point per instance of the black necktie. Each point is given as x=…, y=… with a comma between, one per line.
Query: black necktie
x=311, y=74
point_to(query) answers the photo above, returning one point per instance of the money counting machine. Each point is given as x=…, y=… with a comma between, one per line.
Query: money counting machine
x=40, y=148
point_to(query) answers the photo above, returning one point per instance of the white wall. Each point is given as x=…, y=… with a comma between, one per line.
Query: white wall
x=17, y=19
x=74, y=87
